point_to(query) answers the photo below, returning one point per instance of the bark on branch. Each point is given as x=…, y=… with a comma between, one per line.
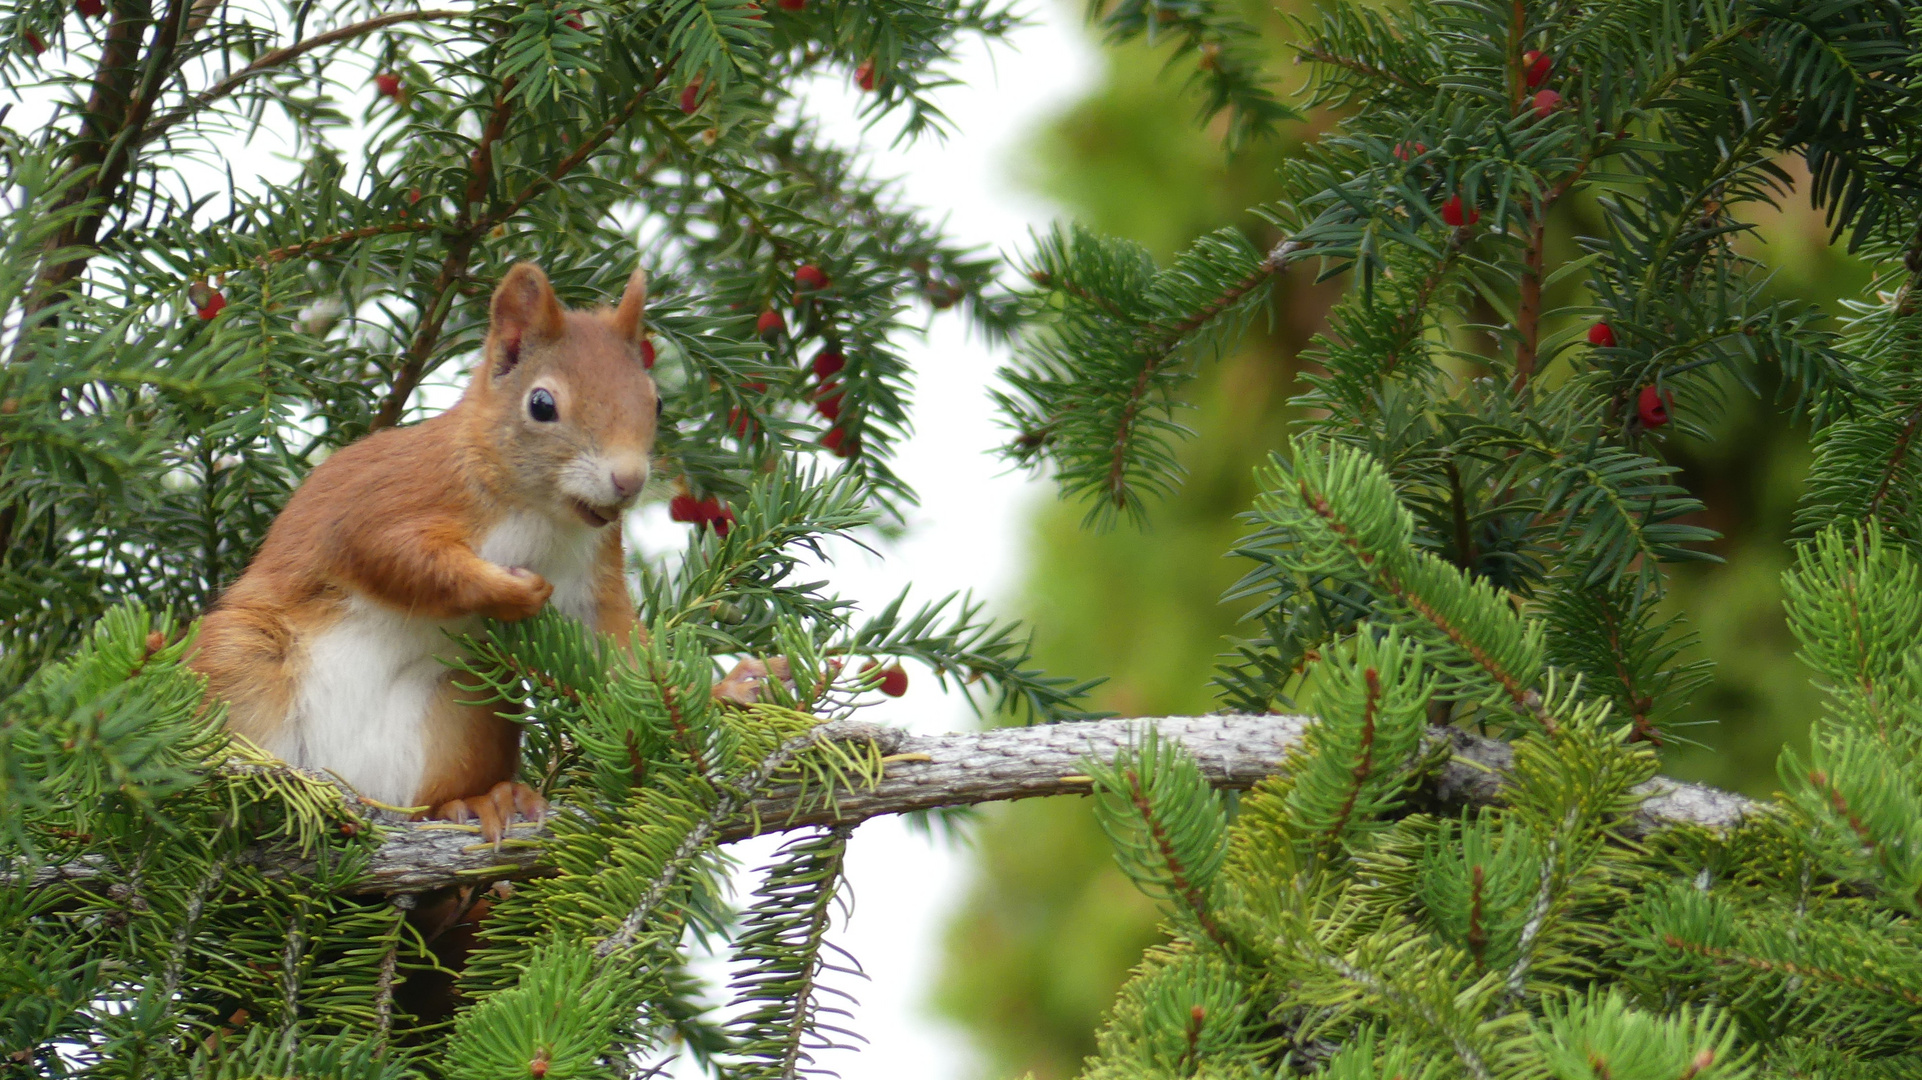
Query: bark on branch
x=926, y=771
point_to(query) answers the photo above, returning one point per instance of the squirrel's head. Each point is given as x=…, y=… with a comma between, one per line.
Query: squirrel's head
x=567, y=397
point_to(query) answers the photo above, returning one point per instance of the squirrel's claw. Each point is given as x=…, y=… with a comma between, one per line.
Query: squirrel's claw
x=494, y=810
x=744, y=685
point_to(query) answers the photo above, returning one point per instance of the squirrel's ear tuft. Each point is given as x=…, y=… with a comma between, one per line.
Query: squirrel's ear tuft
x=629, y=322
x=525, y=308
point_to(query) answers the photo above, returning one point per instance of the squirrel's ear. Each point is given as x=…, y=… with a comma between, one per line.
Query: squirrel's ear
x=628, y=317
x=524, y=307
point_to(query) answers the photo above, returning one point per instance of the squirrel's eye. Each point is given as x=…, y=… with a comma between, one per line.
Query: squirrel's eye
x=540, y=406
x=659, y=408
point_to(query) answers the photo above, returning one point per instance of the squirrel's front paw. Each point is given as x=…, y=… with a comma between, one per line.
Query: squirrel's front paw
x=519, y=596
x=746, y=684
x=495, y=809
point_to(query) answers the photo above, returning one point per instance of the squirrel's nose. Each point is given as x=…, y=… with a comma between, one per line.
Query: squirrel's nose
x=627, y=481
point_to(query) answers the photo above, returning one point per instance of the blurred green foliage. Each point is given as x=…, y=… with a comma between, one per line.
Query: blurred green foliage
x=1051, y=926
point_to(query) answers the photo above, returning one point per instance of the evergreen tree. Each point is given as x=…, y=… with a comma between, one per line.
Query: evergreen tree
x=1482, y=538
x=1453, y=538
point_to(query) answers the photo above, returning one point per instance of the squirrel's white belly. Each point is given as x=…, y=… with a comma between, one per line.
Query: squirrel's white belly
x=360, y=711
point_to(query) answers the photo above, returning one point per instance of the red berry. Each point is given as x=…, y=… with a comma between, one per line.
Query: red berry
x=1652, y=406
x=388, y=84
x=1406, y=151
x=740, y=421
x=894, y=681
x=810, y=277
x=691, y=97
x=687, y=508
x=827, y=402
x=841, y=443
x=1454, y=214
x=91, y=9
x=864, y=74
x=719, y=517
x=1535, y=68
x=1602, y=336
x=34, y=43
x=206, y=299
x=828, y=363
x=770, y=323
x=1547, y=101
x=647, y=353
x=754, y=387
x=573, y=20
x=793, y=5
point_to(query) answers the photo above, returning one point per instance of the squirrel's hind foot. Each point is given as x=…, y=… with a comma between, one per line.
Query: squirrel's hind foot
x=495, y=810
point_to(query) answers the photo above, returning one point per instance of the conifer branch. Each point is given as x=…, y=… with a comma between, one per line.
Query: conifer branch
x=275, y=58
x=345, y=236
x=1891, y=464
x=1375, y=984
x=1358, y=66
x=1191, y=896
x=1790, y=968
x=460, y=249
x=1528, y=309
x=1158, y=344
x=117, y=111
x=734, y=800
x=1365, y=766
x=1517, y=690
x=1234, y=752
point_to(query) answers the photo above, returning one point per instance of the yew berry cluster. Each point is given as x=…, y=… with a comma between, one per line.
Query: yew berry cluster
x=1535, y=71
x=1652, y=404
x=1536, y=68
x=811, y=287
x=709, y=513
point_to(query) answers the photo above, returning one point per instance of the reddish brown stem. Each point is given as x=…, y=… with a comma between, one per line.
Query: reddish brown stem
x=1517, y=71
x=1477, y=933
x=1365, y=764
x=1528, y=312
x=273, y=59
x=1158, y=343
x=291, y=250
x=1360, y=67
x=109, y=133
x=1190, y=895
x=460, y=249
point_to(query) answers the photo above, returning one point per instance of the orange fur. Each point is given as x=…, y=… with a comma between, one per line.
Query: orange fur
x=392, y=541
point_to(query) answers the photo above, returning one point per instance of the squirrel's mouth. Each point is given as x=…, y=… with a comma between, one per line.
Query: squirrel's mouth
x=595, y=516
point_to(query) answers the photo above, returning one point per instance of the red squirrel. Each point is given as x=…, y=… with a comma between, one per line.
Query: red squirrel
x=329, y=650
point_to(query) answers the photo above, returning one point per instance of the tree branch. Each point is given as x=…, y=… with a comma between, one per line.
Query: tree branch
x=1157, y=343
x=966, y=768
x=270, y=60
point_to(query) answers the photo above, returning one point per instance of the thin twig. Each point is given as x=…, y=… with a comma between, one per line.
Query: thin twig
x=273, y=59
